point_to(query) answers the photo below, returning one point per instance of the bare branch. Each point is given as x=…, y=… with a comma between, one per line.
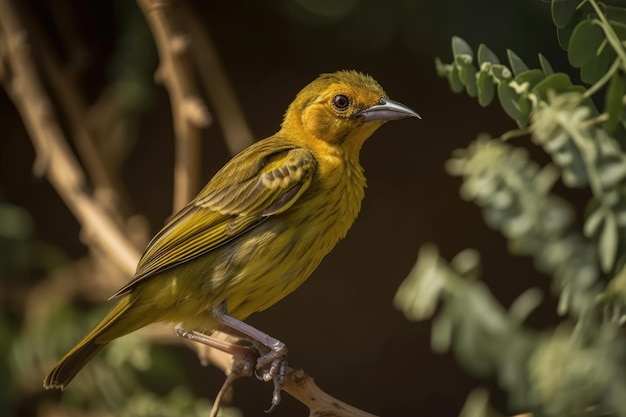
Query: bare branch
x=216, y=85
x=302, y=387
x=68, y=95
x=189, y=111
x=54, y=158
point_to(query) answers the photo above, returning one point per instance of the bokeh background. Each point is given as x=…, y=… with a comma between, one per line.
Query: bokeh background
x=340, y=326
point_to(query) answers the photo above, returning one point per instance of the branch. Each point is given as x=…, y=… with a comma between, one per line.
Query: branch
x=107, y=188
x=302, y=387
x=217, y=86
x=71, y=101
x=54, y=158
x=189, y=111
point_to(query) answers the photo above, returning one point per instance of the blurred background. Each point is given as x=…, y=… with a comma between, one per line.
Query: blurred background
x=340, y=326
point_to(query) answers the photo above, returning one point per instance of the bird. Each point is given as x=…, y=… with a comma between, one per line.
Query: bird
x=256, y=231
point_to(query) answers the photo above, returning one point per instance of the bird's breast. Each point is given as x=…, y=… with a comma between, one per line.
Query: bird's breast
x=279, y=255
x=271, y=260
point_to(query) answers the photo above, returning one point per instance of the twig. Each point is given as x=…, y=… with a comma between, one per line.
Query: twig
x=216, y=84
x=302, y=387
x=71, y=101
x=189, y=111
x=54, y=158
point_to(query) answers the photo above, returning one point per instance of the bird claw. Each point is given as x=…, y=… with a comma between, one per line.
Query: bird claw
x=278, y=378
x=277, y=372
x=275, y=395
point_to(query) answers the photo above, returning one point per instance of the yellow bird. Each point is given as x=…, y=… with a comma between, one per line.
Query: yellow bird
x=257, y=230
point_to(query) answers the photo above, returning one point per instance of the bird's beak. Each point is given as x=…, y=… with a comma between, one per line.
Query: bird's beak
x=387, y=110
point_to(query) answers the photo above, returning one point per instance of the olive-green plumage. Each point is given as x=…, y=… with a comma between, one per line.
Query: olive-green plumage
x=261, y=226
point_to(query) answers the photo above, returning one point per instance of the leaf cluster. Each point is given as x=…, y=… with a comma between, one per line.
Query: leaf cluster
x=572, y=368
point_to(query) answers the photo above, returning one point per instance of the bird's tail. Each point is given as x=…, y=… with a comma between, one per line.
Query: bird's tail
x=119, y=321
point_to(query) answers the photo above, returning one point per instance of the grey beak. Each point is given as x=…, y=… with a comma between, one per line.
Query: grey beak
x=387, y=110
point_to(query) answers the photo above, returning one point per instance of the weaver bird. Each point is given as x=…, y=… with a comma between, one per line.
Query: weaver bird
x=256, y=231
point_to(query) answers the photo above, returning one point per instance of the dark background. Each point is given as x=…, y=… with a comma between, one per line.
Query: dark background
x=341, y=326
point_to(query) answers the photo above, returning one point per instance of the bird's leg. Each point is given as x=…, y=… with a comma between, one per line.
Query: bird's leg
x=247, y=354
x=276, y=358
x=245, y=358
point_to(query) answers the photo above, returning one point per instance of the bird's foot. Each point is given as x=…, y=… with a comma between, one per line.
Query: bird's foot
x=272, y=366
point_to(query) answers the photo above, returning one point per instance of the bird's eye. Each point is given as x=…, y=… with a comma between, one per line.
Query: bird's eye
x=341, y=102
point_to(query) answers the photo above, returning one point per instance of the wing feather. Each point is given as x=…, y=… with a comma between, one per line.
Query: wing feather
x=264, y=180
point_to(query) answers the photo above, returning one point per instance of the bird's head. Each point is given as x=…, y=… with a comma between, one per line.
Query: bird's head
x=343, y=108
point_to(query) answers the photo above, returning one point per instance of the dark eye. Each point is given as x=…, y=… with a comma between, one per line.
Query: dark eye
x=341, y=102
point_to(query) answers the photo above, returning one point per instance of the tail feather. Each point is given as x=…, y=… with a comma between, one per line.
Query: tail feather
x=118, y=322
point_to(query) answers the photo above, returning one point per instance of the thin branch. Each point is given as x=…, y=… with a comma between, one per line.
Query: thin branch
x=216, y=84
x=302, y=387
x=54, y=158
x=189, y=111
x=71, y=101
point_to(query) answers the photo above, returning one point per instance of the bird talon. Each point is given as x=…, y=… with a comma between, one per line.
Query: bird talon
x=275, y=396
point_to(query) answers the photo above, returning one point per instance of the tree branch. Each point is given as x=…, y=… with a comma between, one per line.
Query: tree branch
x=302, y=387
x=216, y=84
x=188, y=109
x=54, y=159
x=107, y=188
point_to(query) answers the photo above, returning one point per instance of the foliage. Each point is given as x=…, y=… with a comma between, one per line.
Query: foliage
x=575, y=368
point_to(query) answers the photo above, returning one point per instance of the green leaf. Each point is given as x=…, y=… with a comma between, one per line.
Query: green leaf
x=532, y=77
x=419, y=293
x=486, y=88
x=607, y=246
x=509, y=100
x=545, y=65
x=596, y=68
x=486, y=55
x=477, y=404
x=613, y=105
x=563, y=11
x=585, y=41
x=525, y=304
x=467, y=264
x=468, y=77
x=612, y=171
x=558, y=82
x=517, y=65
x=564, y=34
x=593, y=222
x=460, y=47
x=525, y=107
x=454, y=79
x=441, y=333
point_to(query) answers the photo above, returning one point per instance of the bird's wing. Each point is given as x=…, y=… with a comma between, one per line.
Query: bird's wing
x=264, y=180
